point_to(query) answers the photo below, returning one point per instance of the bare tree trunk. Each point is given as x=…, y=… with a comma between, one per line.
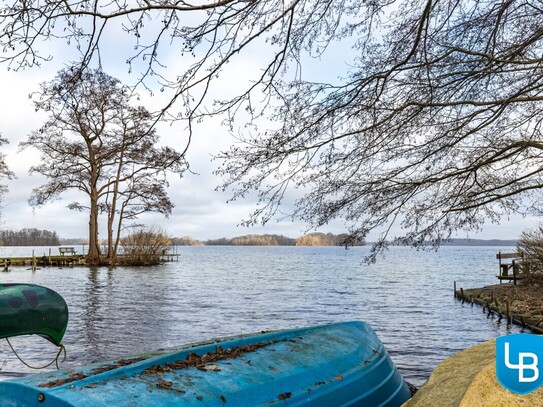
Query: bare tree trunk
x=119, y=227
x=110, y=254
x=111, y=248
x=93, y=257
x=110, y=218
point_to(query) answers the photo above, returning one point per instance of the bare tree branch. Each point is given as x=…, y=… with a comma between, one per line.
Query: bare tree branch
x=433, y=126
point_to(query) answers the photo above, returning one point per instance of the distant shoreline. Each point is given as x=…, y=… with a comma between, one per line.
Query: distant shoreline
x=481, y=242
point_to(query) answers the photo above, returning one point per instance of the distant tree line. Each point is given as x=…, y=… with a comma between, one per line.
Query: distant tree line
x=185, y=241
x=480, y=242
x=328, y=239
x=252, y=240
x=312, y=239
x=29, y=237
x=74, y=241
x=262, y=240
x=223, y=241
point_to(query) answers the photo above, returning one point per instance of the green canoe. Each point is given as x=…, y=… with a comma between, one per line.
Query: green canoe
x=28, y=309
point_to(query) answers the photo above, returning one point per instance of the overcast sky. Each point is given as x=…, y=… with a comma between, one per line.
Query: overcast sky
x=199, y=211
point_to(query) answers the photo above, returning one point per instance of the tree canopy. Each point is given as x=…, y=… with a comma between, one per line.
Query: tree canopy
x=29, y=237
x=434, y=123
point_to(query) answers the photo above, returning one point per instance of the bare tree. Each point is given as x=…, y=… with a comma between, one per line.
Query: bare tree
x=435, y=124
x=96, y=142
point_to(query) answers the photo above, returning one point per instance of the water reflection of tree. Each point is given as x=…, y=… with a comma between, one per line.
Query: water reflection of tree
x=123, y=310
x=92, y=314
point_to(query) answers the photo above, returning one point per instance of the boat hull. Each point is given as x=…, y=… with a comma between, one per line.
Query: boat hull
x=28, y=309
x=333, y=365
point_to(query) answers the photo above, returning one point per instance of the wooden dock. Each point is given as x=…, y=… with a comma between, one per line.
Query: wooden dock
x=42, y=261
x=63, y=260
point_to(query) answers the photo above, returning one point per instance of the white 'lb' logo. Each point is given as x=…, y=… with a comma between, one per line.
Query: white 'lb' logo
x=521, y=366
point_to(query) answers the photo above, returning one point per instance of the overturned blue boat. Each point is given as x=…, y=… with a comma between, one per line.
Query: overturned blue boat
x=333, y=365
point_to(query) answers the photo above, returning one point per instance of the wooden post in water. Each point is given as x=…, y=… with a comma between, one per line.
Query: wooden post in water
x=498, y=309
x=455, y=289
x=49, y=264
x=33, y=261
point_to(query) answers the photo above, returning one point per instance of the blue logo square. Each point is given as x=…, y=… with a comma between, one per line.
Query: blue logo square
x=519, y=360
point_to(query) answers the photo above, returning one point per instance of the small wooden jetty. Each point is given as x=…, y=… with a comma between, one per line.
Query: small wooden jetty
x=42, y=261
x=515, y=269
x=169, y=257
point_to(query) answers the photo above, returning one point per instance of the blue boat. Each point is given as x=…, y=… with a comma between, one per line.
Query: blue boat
x=342, y=364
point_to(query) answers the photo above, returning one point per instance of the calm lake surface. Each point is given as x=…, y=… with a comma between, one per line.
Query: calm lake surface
x=214, y=291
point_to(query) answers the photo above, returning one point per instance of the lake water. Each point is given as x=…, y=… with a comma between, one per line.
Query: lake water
x=214, y=291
